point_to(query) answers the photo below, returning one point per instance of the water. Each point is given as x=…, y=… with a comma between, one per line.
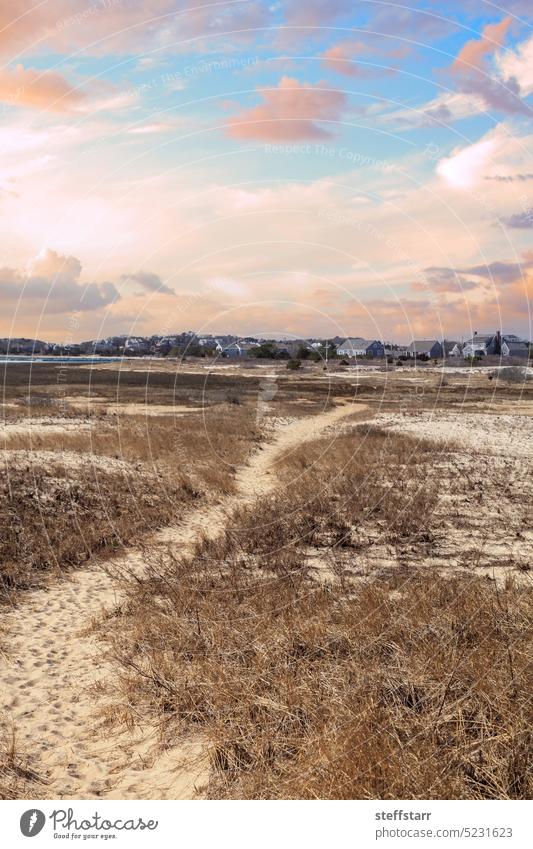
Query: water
x=12, y=359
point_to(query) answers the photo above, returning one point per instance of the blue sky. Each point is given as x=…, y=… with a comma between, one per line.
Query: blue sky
x=340, y=168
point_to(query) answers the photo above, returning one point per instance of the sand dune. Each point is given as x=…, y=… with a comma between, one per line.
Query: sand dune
x=53, y=681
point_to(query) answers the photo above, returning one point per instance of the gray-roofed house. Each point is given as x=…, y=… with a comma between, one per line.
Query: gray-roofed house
x=515, y=349
x=431, y=348
x=494, y=344
x=481, y=345
x=235, y=349
x=360, y=347
x=352, y=348
x=451, y=348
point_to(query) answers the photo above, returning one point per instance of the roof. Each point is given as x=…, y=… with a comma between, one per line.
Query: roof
x=450, y=344
x=518, y=347
x=480, y=337
x=358, y=342
x=422, y=346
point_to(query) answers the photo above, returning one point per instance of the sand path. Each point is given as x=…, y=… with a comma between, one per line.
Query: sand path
x=53, y=679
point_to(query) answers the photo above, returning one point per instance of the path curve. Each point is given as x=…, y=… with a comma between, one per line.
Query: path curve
x=53, y=679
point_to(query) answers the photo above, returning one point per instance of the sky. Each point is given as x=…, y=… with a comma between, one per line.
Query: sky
x=292, y=168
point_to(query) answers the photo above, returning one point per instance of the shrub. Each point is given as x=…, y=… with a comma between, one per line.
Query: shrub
x=512, y=374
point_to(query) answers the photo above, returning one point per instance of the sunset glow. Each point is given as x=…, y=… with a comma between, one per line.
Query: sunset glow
x=287, y=167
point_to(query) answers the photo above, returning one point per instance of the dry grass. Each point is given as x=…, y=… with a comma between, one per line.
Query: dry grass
x=17, y=779
x=336, y=689
x=206, y=447
x=54, y=519
x=56, y=513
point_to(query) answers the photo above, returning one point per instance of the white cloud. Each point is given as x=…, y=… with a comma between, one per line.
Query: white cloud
x=502, y=152
x=465, y=167
x=518, y=64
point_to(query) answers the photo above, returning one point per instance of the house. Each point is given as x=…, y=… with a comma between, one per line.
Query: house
x=396, y=353
x=207, y=343
x=451, y=348
x=352, y=348
x=456, y=351
x=359, y=347
x=393, y=351
x=235, y=349
x=375, y=349
x=514, y=349
x=482, y=345
x=231, y=351
x=425, y=348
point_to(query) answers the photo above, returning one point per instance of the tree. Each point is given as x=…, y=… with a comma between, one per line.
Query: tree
x=266, y=350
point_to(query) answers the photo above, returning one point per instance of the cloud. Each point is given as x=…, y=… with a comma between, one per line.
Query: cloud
x=473, y=73
x=474, y=52
x=343, y=58
x=49, y=91
x=46, y=90
x=104, y=27
x=463, y=169
x=503, y=155
x=52, y=266
x=52, y=282
x=498, y=272
x=446, y=108
x=289, y=112
x=510, y=178
x=518, y=64
x=520, y=220
x=149, y=281
x=445, y=280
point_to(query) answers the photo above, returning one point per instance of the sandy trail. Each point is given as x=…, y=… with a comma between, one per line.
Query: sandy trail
x=53, y=680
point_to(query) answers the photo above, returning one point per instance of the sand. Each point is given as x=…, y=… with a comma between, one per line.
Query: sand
x=42, y=425
x=53, y=680
x=504, y=435
x=482, y=520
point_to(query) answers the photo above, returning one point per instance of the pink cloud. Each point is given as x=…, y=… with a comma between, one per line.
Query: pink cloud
x=340, y=57
x=116, y=26
x=39, y=89
x=474, y=52
x=474, y=75
x=292, y=111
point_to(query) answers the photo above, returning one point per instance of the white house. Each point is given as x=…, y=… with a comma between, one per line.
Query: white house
x=456, y=351
x=353, y=348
